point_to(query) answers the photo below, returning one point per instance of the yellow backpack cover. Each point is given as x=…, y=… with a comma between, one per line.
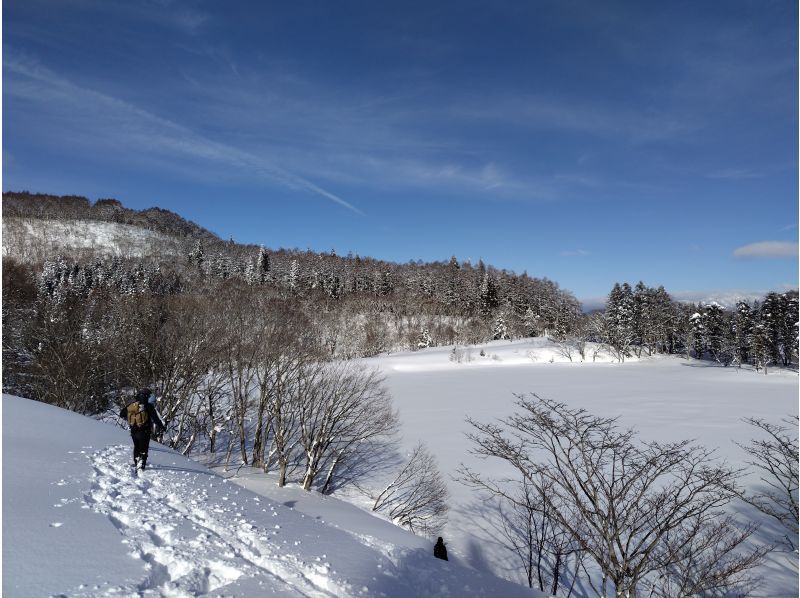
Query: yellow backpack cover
x=137, y=414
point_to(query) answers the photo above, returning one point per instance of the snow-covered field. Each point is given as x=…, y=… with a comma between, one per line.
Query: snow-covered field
x=665, y=398
x=34, y=239
x=76, y=523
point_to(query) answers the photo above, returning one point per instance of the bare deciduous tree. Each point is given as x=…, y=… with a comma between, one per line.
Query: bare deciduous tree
x=776, y=459
x=342, y=407
x=529, y=529
x=417, y=496
x=707, y=558
x=287, y=344
x=618, y=497
x=239, y=356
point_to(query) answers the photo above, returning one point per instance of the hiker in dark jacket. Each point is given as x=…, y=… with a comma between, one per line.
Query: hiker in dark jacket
x=439, y=551
x=141, y=415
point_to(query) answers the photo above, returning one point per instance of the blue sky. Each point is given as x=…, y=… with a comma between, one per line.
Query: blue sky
x=584, y=141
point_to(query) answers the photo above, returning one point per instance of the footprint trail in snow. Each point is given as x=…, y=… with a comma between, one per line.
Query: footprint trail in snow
x=187, y=542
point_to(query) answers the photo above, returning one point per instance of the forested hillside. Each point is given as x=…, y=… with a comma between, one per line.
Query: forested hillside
x=202, y=324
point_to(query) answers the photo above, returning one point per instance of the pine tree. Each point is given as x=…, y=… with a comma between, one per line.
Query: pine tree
x=250, y=274
x=664, y=320
x=713, y=330
x=698, y=333
x=619, y=318
x=772, y=317
x=387, y=284
x=262, y=266
x=488, y=300
x=500, y=328
x=760, y=346
x=424, y=340
x=452, y=290
x=742, y=330
x=221, y=267
x=641, y=314
x=790, y=329
x=197, y=255
x=294, y=276
x=530, y=321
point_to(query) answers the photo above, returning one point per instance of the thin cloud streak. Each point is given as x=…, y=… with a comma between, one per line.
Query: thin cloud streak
x=768, y=250
x=735, y=174
x=541, y=112
x=150, y=130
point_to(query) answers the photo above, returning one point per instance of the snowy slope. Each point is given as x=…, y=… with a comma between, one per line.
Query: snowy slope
x=76, y=522
x=665, y=398
x=34, y=239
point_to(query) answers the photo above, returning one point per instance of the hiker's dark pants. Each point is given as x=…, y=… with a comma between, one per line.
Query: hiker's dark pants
x=141, y=442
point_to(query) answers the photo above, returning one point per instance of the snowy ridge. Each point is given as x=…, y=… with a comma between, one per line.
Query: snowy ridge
x=72, y=502
x=35, y=239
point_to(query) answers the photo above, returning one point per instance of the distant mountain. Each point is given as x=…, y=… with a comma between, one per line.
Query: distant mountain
x=37, y=226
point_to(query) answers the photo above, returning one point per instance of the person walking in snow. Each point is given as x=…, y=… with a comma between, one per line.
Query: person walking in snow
x=141, y=415
x=440, y=551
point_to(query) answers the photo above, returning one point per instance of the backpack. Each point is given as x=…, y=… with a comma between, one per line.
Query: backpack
x=137, y=415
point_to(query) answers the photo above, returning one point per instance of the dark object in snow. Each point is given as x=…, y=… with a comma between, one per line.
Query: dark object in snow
x=439, y=551
x=141, y=415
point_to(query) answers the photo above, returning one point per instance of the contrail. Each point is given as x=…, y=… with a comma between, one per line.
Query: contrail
x=146, y=128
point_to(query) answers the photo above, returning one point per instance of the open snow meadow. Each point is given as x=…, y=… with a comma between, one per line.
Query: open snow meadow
x=664, y=398
x=78, y=523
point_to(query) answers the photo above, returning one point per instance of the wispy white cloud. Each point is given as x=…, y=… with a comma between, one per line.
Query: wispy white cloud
x=735, y=174
x=575, y=253
x=768, y=250
x=551, y=113
x=125, y=123
x=285, y=129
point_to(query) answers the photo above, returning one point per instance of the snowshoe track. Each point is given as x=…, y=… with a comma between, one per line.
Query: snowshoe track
x=189, y=545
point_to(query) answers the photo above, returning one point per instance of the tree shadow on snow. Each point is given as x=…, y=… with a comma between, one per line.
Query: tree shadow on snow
x=769, y=531
x=486, y=517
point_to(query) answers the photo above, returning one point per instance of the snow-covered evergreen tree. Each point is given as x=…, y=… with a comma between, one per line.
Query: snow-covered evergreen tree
x=197, y=255
x=641, y=320
x=262, y=266
x=742, y=330
x=452, y=282
x=530, y=322
x=250, y=274
x=488, y=299
x=500, y=328
x=424, y=340
x=760, y=346
x=697, y=333
x=619, y=315
x=713, y=330
x=294, y=276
